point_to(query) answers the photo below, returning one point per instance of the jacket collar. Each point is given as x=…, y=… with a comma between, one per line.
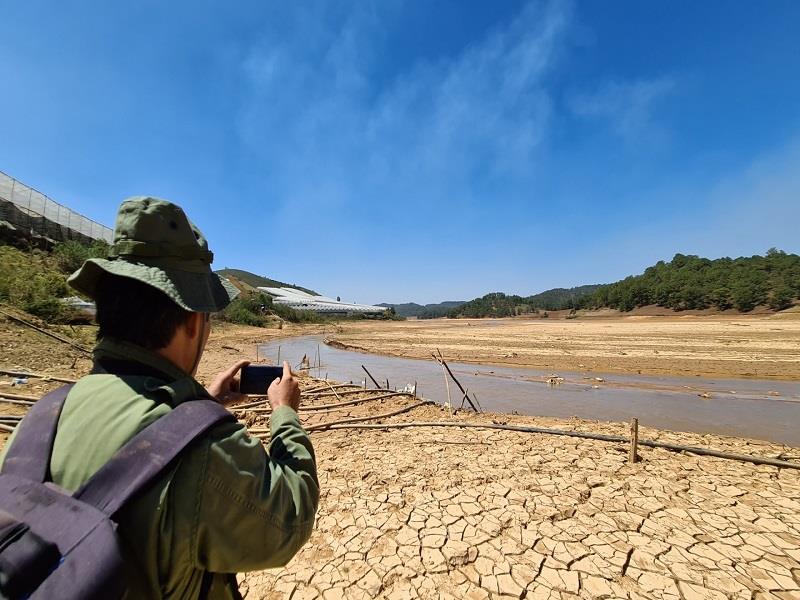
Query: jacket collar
x=123, y=358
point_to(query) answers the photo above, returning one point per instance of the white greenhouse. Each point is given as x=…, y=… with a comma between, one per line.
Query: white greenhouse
x=300, y=300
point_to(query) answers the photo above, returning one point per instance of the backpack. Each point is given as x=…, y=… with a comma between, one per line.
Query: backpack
x=59, y=545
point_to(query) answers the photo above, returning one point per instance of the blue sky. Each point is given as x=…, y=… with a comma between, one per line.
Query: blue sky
x=419, y=151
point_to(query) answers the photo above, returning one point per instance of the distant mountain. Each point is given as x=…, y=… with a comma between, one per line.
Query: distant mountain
x=561, y=298
x=427, y=311
x=254, y=281
x=498, y=304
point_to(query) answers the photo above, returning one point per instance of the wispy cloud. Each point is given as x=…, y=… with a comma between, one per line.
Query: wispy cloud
x=628, y=107
x=436, y=130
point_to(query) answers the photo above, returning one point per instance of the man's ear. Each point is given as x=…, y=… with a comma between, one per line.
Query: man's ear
x=193, y=325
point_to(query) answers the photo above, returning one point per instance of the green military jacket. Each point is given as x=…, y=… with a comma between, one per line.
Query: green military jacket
x=226, y=507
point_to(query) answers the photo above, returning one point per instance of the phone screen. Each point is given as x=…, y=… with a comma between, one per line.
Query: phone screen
x=257, y=378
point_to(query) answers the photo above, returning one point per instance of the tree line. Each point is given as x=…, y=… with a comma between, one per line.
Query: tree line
x=687, y=282
x=498, y=304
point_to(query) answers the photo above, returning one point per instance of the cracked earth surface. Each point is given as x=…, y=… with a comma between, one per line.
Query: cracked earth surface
x=473, y=513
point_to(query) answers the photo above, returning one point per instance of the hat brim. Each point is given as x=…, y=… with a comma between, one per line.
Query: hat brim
x=192, y=291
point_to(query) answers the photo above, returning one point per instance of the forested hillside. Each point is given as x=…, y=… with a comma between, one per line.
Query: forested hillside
x=686, y=282
x=498, y=304
x=426, y=311
x=691, y=282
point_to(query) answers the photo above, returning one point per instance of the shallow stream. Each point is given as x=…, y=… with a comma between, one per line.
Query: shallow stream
x=759, y=409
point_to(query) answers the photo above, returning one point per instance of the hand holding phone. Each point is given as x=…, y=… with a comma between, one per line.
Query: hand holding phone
x=256, y=379
x=284, y=391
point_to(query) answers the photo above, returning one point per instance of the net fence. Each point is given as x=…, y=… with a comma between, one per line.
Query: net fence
x=29, y=213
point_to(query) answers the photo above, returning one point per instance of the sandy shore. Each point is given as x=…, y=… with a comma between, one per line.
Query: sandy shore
x=758, y=346
x=481, y=513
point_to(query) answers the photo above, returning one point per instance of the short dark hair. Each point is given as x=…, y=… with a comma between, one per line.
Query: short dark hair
x=135, y=312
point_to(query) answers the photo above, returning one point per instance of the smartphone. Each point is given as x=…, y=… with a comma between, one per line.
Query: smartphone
x=255, y=379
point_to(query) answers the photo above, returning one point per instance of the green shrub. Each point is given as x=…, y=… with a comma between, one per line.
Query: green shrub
x=33, y=283
x=69, y=256
x=238, y=311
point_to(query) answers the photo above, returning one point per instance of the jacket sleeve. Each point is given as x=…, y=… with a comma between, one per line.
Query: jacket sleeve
x=254, y=510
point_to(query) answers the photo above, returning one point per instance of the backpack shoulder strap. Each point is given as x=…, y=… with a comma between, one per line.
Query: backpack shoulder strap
x=29, y=454
x=145, y=456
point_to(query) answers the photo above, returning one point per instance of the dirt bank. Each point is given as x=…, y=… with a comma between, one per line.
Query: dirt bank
x=759, y=346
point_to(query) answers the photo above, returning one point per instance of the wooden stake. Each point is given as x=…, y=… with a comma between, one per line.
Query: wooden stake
x=441, y=361
x=377, y=385
x=632, y=456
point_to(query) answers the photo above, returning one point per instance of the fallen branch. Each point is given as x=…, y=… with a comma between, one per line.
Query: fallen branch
x=323, y=407
x=323, y=388
x=320, y=426
x=335, y=392
x=393, y=413
x=20, y=402
x=37, y=376
x=757, y=460
x=30, y=399
x=302, y=395
x=47, y=333
x=360, y=390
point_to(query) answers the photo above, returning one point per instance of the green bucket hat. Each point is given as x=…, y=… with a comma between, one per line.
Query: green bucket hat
x=155, y=243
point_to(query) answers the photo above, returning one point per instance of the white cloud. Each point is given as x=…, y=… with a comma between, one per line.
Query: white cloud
x=327, y=134
x=628, y=106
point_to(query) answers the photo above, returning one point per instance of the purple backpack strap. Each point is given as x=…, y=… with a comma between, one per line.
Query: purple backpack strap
x=145, y=456
x=29, y=454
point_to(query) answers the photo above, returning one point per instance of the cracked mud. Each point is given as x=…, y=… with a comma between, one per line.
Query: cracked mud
x=473, y=513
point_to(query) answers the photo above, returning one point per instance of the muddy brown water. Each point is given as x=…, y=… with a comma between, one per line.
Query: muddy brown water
x=750, y=408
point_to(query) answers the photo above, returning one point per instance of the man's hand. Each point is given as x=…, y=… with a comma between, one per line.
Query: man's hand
x=284, y=391
x=225, y=387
